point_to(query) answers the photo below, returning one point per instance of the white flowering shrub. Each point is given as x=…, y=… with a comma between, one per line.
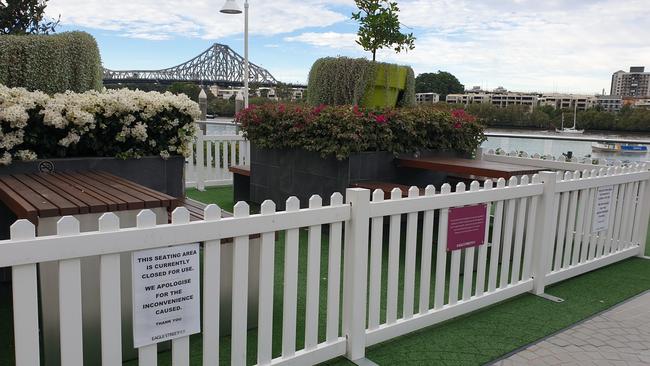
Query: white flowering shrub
x=112, y=123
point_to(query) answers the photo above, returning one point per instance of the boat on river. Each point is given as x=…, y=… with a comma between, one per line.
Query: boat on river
x=569, y=130
x=618, y=148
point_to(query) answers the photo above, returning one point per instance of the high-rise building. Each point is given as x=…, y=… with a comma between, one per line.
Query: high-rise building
x=635, y=83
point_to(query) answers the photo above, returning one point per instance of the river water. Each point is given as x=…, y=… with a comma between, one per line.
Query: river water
x=531, y=146
x=558, y=147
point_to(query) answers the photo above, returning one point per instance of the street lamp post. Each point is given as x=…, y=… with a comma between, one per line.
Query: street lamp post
x=231, y=7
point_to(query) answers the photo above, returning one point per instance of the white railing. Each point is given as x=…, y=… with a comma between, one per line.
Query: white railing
x=211, y=157
x=559, y=163
x=539, y=232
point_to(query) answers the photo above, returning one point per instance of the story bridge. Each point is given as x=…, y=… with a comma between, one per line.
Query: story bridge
x=218, y=65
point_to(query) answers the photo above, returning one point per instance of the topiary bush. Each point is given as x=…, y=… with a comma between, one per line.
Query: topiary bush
x=51, y=63
x=344, y=80
x=342, y=130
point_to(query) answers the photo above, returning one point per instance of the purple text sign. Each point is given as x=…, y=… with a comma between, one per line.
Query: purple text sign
x=466, y=227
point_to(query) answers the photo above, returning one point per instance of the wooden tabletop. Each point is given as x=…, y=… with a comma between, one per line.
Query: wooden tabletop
x=241, y=170
x=30, y=196
x=480, y=168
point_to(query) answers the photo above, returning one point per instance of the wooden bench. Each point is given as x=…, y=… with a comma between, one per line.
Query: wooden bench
x=241, y=182
x=387, y=187
x=44, y=195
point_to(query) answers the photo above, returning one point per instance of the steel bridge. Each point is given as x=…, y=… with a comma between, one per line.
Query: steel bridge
x=218, y=65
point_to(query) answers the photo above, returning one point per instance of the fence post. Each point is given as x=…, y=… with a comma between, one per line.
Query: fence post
x=644, y=201
x=200, y=164
x=543, y=232
x=355, y=272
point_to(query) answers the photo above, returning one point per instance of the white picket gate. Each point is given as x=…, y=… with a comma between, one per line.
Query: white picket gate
x=211, y=157
x=539, y=233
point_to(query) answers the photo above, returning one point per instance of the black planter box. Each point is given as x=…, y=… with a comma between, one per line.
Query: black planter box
x=280, y=174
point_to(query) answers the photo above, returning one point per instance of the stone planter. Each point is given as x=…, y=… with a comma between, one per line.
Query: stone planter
x=280, y=174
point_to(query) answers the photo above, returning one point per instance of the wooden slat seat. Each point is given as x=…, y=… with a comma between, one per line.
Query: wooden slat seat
x=387, y=187
x=43, y=195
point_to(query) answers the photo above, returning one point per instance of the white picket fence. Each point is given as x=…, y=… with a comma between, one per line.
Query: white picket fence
x=211, y=157
x=539, y=233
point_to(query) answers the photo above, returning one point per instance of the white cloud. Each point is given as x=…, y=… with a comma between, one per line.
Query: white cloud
x=520, y=44
x=158, y=19
x=341, y=41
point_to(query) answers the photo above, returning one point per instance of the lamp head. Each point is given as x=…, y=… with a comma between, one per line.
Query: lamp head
x=231, y=7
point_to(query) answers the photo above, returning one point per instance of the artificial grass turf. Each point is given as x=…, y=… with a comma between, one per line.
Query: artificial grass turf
x=222, y=196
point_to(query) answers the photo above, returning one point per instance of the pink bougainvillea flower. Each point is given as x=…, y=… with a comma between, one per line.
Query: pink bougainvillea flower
x=381, y=119
x=458, y=125
x=356, y=111
x=316, y=111
x=281, y=108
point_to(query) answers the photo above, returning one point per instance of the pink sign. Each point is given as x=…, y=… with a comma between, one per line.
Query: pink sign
x=466, y=227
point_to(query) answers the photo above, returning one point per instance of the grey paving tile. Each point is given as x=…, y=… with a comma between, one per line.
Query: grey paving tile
x=620, y=336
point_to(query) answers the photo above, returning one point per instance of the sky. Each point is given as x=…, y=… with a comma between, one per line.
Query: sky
x=522, y=45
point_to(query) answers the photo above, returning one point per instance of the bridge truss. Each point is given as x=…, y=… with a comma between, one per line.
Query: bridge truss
x=219, y=65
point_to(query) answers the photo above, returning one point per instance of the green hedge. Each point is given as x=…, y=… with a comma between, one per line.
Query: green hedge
x=51, y=63
x=357, y=81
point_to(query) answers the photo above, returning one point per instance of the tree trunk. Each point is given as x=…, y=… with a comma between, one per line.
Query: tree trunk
x=374, y=53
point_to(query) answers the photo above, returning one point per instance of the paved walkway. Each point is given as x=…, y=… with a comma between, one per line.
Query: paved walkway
x=620, y=336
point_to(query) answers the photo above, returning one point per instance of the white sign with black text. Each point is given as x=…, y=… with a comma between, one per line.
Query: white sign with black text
x=166, y=303
x=602, y=208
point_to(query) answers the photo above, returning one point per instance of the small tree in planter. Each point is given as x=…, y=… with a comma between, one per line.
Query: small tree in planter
x=380, y=27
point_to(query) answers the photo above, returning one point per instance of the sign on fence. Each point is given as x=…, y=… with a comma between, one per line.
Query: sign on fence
x=466, y=226
x=166, y=303
x=602, y=208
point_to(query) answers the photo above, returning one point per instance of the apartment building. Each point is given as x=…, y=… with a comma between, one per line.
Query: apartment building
x=503, y=100
x=469, y=98
x=568, y=101
x=610, y=103
x=427, y=98
x=635, y=83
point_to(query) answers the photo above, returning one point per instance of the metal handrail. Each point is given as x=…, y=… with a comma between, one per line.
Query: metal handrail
x=568, y=138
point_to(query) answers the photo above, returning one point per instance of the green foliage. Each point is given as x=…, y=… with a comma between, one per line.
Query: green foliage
x=25, y=17
x=407, y=99
x=546, y=117
x=189, y=89
x=342, y=130
x=51, y=63
x=440, y=82
x=380, y=27
x=340, y=80
x=343, y=80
